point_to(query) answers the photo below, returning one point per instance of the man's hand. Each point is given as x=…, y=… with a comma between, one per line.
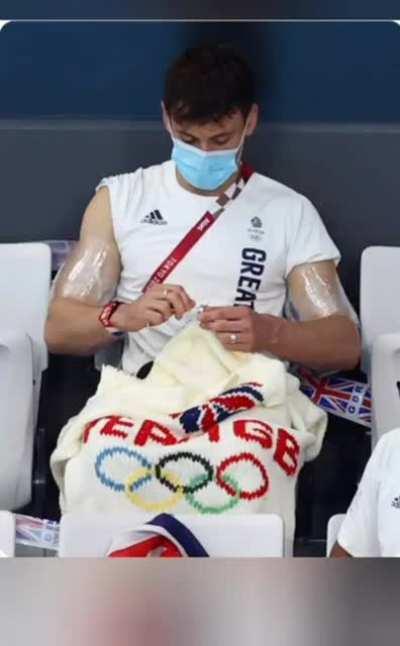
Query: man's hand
x=330, y=343
x=155, y=307
x=242, y=329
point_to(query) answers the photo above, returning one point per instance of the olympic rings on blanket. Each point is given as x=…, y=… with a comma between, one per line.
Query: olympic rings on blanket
x=234, y=459
x=208, y=509
x=145, y=472
x=139, y=477
x=201, y=481
x=109, y=453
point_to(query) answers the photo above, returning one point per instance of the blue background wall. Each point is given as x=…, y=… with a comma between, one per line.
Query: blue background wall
x=199, y=8
x=306, y=71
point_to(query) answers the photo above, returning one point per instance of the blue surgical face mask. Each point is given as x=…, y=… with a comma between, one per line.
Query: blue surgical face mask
x=206, y=170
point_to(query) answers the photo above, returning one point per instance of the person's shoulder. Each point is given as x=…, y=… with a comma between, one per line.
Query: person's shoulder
x=135, y=180
x=121, y=187
x=157, y=173
x=122, y=181
x=127, y=189
x=385, y=457
x=293, y=202
x=389, y=441
x=272, y=186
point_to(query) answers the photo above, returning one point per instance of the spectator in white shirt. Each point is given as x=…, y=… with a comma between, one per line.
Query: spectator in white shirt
x=372, y=523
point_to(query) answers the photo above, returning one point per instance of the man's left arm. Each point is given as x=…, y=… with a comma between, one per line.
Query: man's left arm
x=329, y=343
x=324, y=336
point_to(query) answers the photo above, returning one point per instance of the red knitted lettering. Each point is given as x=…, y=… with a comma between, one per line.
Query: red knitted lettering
x=89, y=427
x=111, y=428
x=253, y=429
x=93, y=423
x=151, y=430
x=287, y=452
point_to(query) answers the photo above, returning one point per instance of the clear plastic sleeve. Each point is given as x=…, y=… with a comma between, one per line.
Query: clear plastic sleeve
x=89, y=273
x=315, y=291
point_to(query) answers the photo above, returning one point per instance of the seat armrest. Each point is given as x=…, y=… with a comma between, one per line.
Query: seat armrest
x=16, y=418
x=385, y=377
x=11, y=338
x=7, y=534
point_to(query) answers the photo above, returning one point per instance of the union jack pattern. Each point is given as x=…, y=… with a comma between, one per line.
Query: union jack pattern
x=36, y=532
x=342, y=397
x=218, y=409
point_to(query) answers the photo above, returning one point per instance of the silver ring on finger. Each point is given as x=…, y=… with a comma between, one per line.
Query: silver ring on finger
x=233, y=337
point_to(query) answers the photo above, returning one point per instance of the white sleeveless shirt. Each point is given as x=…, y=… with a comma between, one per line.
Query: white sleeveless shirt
x=243, y=259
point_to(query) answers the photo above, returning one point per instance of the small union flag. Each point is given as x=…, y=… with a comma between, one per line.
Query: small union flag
x=342, y=397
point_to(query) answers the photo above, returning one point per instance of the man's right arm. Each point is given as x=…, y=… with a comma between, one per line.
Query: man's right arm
x=74, y=328
x=87, y=281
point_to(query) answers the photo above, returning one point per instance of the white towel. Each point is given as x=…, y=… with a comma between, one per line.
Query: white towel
x=129, y=446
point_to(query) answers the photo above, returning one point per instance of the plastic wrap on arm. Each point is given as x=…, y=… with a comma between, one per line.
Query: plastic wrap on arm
x=315, y=291
x=90, y=274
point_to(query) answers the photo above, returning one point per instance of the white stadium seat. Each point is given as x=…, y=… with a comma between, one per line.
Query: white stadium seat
x=25, y=272
x=238, y=535
x=7, y=534
x=334, y=526
x=16, y=418
x=380, y=323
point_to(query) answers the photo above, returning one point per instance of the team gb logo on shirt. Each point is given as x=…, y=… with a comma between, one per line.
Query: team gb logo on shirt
x=256, y=231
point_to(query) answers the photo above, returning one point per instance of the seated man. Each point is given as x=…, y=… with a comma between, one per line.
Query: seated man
x=203, y=229
x=372, y=523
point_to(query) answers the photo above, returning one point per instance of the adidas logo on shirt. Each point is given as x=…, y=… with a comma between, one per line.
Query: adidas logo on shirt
x=154, y=217
x=396, y=502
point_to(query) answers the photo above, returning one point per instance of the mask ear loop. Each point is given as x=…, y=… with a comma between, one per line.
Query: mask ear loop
x=240, y=148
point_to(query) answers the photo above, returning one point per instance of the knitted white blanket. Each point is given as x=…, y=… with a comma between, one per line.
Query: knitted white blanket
x=173, y=443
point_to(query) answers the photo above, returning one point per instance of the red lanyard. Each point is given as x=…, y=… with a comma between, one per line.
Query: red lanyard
x=199, y=229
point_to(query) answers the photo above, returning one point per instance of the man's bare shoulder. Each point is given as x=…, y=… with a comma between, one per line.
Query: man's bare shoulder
x=97, y=220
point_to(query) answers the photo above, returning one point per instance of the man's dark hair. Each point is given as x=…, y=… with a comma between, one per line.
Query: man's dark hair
x=208, y=83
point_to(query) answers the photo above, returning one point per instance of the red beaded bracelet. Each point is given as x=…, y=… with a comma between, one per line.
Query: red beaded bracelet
x=105, y=316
